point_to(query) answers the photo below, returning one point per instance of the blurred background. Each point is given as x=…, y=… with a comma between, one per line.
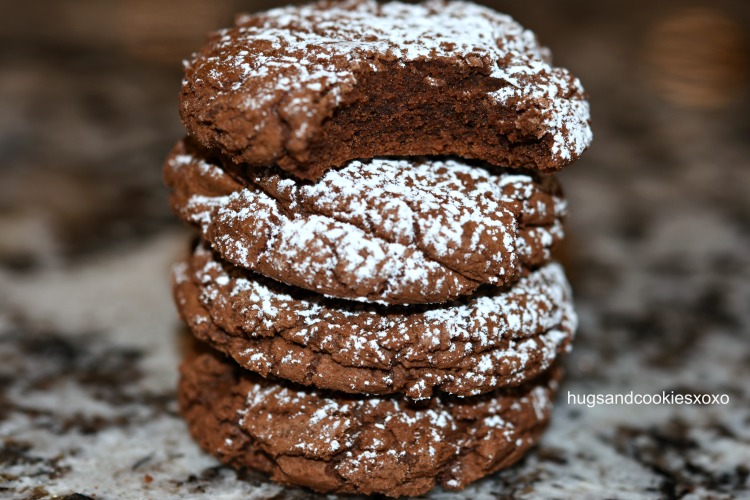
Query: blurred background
x=658, y=247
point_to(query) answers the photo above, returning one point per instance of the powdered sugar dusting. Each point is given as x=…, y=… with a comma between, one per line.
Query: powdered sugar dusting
x=452, y=212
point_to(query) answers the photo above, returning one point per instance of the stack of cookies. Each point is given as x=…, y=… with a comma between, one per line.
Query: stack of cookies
x=373, y=290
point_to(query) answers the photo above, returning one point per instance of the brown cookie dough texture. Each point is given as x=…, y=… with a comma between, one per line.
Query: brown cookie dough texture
x=497, y=338
x=354, y=444
x=387, y=230
x=312, y=87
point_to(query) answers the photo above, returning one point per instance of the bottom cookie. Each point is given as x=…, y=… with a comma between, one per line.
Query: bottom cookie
x=339, y=443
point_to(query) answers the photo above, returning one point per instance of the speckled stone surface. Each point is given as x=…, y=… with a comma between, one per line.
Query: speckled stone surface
x=657, y=253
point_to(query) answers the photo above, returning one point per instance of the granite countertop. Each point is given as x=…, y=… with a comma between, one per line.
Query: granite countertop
x=658, y=253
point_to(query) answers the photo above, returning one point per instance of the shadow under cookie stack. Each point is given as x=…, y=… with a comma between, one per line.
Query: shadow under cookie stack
x=373, y=291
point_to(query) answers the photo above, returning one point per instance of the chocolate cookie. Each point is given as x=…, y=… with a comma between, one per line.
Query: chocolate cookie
x=312, y=87
x=352, y=444
x=385, y=230
x=497, y=338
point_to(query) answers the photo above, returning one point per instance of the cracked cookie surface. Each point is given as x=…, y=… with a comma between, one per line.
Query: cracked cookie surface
x=354, y=444
x=385, y=230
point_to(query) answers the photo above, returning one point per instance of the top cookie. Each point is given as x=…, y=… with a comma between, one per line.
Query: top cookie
x=312, y=87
